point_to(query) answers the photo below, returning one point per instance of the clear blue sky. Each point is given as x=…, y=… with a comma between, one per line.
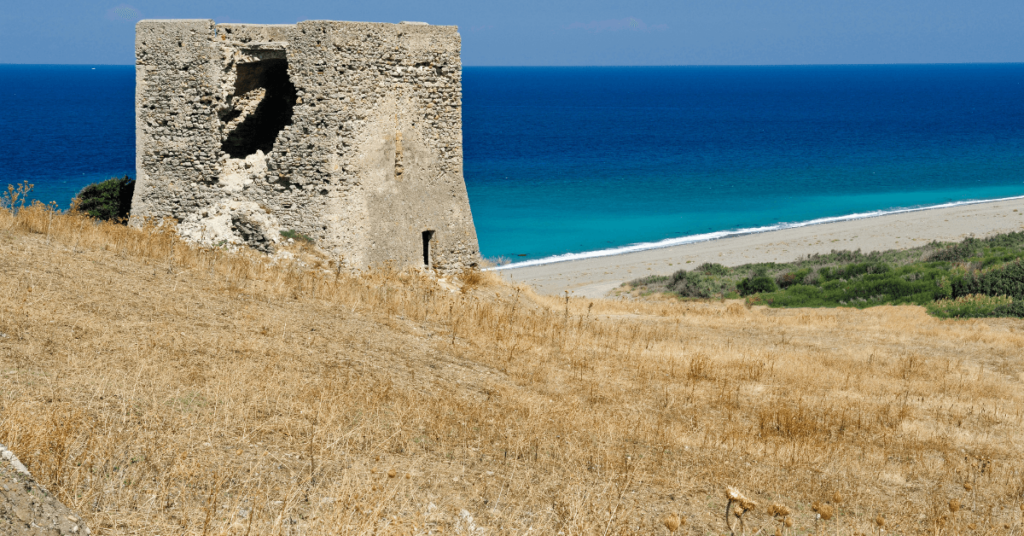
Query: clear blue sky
x=576, y=32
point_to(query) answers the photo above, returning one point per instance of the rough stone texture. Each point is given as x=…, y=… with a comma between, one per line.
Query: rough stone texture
x=26, y=508
x=347, y=132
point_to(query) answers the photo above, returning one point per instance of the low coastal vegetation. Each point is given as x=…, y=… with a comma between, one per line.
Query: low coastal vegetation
x=297, y=236
x=108, y=200
x=161, y=388
x=970, y=279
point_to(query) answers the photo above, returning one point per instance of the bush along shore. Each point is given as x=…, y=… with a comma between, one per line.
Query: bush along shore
x=970, y=279
x=108, y=200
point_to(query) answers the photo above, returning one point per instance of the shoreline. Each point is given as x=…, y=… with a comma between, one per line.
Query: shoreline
x=718, y=235
x=594, y=274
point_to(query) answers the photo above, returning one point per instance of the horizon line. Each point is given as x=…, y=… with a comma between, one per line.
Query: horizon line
x=615, y=66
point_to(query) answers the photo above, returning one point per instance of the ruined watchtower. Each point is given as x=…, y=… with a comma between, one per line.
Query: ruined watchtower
x=349, y=133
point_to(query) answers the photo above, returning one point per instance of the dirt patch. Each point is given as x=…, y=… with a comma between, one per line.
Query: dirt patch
x=26, y=508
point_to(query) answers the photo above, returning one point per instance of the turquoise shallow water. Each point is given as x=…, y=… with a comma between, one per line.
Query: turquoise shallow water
x=596, y=224
x=570, y=160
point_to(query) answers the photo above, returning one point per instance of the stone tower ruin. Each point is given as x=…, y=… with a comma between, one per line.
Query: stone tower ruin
x=348, y=133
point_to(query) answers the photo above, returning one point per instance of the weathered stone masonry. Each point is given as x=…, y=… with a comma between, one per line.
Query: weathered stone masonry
x=349, y=133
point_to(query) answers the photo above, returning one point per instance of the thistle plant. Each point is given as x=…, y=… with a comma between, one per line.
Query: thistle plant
x=824, y=512
x=880, y=523
x=737, y=505
x=837, y=499
x=954, y=507
x=780, y=513
x=672, y=522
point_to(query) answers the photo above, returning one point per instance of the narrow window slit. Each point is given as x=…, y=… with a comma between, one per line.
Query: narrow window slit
x=427, y=237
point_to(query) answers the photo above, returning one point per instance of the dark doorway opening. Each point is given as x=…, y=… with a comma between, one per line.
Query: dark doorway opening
x=260, y=128
x=427, y=237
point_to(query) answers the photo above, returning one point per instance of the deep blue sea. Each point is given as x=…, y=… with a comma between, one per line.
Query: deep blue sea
x=564, y=160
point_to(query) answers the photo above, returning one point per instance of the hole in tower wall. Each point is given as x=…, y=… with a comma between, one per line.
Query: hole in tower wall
x=259, y=129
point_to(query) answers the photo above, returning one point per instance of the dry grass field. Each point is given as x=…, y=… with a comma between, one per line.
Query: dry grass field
x=163, y=389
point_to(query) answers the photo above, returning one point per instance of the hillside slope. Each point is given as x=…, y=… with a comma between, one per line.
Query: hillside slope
x=161, y=389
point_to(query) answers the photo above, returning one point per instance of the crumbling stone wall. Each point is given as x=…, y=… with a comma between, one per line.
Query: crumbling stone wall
x=349, y=133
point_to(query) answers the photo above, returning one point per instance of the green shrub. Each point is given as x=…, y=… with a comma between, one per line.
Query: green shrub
x=1003, y=246
x=851, y=271
x=699, y=284
x=109, y=200
x=1014, y=309
x=690, y=285
x=989, y=267
x=944, y=288
x=959, y=252
x=1006, y=280
x=972, y=306
x=642, y=282
x=296, y=236
x=756, y=285
x=789, y=279
x=712, y=268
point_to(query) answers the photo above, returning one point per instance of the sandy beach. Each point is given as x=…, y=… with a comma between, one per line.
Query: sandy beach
x=595, y=277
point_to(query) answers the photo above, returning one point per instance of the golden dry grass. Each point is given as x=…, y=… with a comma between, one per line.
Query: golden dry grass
x=160, y=388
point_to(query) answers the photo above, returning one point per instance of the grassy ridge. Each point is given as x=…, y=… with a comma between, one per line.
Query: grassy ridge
x=972, y=278
x=157, y=387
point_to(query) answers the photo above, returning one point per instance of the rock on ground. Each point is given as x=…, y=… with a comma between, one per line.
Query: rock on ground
x=26, y=508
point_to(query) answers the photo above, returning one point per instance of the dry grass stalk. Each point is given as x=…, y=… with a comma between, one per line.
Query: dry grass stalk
x=144, y=380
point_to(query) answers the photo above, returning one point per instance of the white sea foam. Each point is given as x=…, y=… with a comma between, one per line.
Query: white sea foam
x=691, y=239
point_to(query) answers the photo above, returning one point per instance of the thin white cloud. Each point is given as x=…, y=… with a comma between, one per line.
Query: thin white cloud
x=124, y=13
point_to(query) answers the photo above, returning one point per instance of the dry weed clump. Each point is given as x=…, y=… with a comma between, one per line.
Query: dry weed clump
x=781, y=514
x=161, y=388
x=672, y=522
